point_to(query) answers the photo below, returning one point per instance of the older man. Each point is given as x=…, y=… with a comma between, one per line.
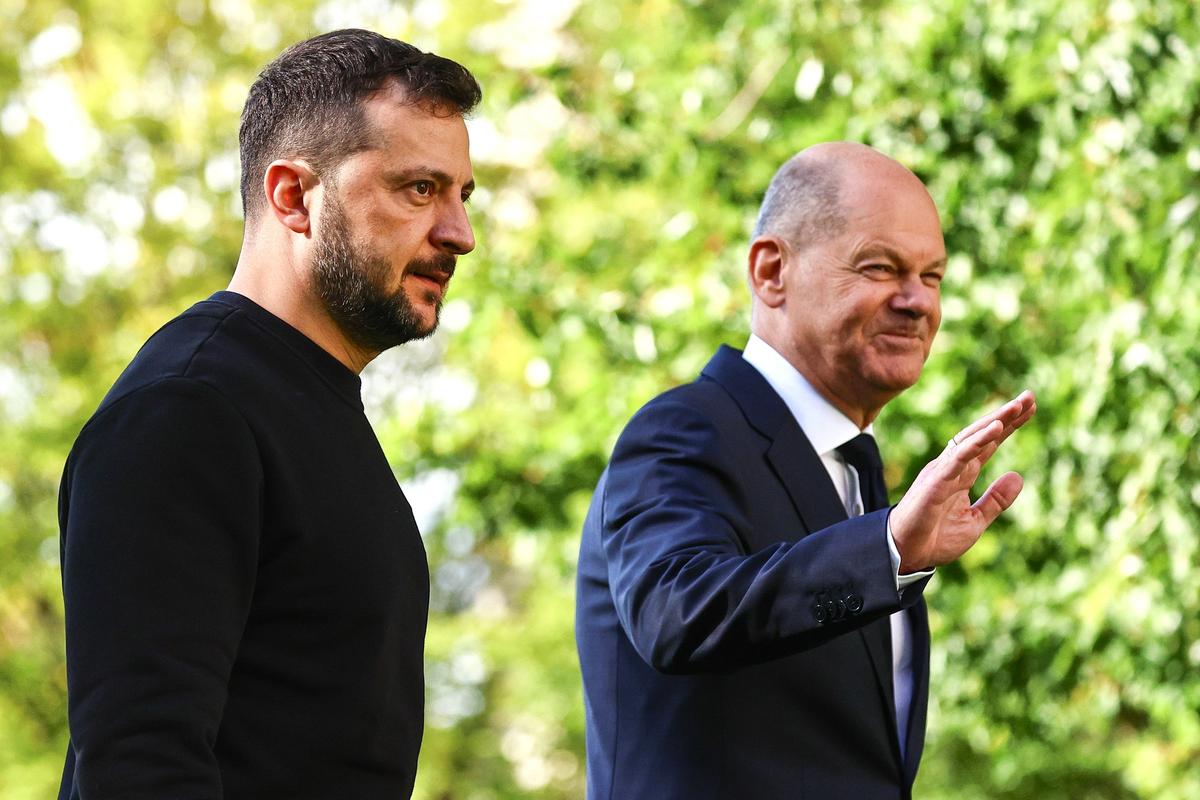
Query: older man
x=750, y=619
x=246, y=589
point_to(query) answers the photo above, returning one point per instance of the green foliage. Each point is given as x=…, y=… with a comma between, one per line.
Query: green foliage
x=621, y=153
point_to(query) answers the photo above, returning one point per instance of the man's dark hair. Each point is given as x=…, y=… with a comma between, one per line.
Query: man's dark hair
x=803, y=202
x=308, y=102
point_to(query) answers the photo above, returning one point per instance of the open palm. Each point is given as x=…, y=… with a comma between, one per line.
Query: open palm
x=936, y=522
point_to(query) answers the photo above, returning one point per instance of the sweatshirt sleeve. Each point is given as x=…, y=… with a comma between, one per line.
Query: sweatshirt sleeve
x=159, y=513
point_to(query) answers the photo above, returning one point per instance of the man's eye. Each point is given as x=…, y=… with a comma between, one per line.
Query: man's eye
x=932, y=279
x=423, y=188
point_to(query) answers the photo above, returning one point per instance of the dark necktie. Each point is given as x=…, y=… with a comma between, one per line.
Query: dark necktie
x=862, y=453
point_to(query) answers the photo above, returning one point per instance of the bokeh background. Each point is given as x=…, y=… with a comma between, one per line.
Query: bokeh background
x=621, y=151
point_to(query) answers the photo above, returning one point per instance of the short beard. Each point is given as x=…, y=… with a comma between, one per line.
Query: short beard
x=348, y=282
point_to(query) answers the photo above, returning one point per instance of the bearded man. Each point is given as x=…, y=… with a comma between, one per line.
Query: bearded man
x=246, y=589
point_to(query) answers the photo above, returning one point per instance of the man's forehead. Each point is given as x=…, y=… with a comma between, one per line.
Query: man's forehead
x=416, y=132
x=388, y=108
x=393, y=94
x=882, y=181
x=891, y=211
x=892, y=199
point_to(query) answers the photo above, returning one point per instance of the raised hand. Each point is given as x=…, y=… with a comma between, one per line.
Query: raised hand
x=935, y=522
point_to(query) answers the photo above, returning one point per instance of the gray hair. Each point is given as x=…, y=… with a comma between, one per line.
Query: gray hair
x=803, y=202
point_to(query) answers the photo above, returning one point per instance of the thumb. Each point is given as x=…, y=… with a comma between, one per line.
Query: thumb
x=999, y=496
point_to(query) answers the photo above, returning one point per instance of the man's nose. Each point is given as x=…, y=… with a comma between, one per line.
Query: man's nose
x=916, y=298
x=453, y=233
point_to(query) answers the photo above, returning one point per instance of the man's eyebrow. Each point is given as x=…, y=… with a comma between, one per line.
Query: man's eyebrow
x=877, y=249
x=425, y=173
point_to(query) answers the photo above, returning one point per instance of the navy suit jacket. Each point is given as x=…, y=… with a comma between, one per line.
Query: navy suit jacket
x=732, y=624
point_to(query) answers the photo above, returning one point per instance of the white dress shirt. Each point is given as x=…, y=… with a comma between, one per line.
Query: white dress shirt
x=826, y=428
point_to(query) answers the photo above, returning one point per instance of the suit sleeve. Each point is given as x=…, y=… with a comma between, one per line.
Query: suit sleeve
x=688, y=595
x=160, y=521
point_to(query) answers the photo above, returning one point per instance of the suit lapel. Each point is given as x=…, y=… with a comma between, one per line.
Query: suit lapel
x=807, y=482
x=802, y=474
x=790, y=454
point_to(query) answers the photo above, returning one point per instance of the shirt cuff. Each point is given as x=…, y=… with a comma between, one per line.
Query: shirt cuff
x=902, y=581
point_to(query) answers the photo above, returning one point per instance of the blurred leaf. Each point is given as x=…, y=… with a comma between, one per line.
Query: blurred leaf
x=621, y=152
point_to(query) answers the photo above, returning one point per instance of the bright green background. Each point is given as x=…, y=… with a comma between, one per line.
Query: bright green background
x=622, y=149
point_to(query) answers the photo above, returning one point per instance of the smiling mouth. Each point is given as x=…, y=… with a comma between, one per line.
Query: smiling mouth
x=905, y=336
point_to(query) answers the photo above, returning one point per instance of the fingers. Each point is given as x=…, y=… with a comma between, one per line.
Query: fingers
x=983, y=441
x=1026, y=414
x=958, y=466
x=1013, y=414
x=999, y=496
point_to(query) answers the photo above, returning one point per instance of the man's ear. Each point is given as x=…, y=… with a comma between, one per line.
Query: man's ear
x=287, y=185
x=765, y=268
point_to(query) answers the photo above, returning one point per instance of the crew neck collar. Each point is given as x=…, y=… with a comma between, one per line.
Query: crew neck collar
x=342, y=379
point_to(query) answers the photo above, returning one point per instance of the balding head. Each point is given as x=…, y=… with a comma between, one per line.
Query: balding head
x=846, y=267
x=807, y=199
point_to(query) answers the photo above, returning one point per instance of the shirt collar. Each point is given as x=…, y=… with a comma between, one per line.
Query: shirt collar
x=824, y=426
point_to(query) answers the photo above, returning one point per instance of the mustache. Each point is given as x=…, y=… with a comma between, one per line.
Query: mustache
x=440, y=267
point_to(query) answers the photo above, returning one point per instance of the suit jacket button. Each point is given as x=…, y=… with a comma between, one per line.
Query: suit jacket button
x=854, y=603
x=841, y=609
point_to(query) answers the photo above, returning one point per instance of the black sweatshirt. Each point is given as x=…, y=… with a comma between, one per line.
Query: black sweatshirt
x=246, y=589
